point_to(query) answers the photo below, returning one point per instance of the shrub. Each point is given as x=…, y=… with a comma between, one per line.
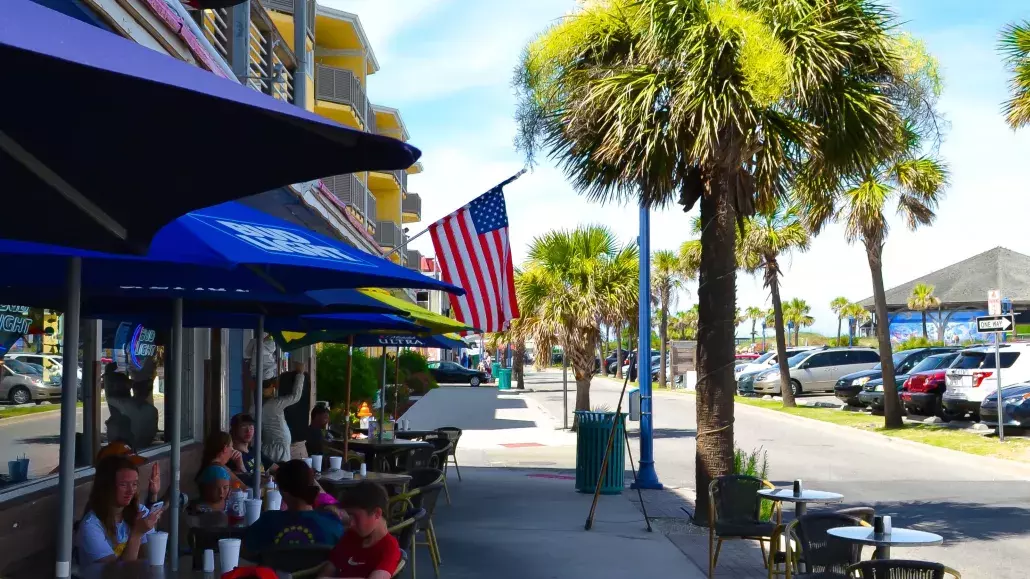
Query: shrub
x=332, y=375
x=756, y=464
x=916, y=342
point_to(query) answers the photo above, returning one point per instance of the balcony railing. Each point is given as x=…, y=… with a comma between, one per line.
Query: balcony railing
x=339, y=85
x=286, y=7
x=353, y=192
x=389, y=234
x=412, y=205
x=402, y=178
x=414, y=259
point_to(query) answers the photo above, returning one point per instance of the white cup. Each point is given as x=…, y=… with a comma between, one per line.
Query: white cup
x=229, y=554
x=308, y=461
x=253, y=511
x=250, y=493
x=209, y=560
x=157, y=545
x=887, y=524
x=275, y=500
x=335, y=462
x=364, y=470
x=316, y=462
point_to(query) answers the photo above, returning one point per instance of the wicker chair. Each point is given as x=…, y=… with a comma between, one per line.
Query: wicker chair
x=454, y=433
x=425, y=487
x=404, y=532
x=901, y=569
x=442, y=448
x=734, y=513
x=823, y=556
x=866, y=514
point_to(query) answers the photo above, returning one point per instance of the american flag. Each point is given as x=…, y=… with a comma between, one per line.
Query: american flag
x=473, y=248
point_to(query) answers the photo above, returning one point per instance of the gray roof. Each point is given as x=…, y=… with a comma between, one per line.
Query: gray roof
x=966, y=283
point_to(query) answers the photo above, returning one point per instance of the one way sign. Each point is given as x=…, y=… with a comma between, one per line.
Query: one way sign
x=995, y=324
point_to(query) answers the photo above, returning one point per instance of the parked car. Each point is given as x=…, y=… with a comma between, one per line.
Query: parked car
x=453, y=373
x=1016, y=400
x=655, y=359
x=53, y=361
x=817, y=370
x=848, y=387
x=612, y=360
x=872, y=393
x=973, y=376
x=921, y=393
x=766, y=361
x=21, y=384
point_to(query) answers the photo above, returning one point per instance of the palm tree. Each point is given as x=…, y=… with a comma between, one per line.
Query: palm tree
x=797, y=311
x=857, y=315
x=570, y=279
x=766, y=238
x=837, y=305
x=666, y=280
x=709, y=103
x=922, y=299
x=684, y=324
x=754, y=315
x=1015, y=46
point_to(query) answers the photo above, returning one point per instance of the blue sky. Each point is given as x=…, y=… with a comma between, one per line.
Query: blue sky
x=447, y=65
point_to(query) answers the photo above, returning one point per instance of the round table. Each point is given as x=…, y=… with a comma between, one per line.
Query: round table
x=403, y=434
x=335, y=487
x=800, y=501
x=884, y=541
x=142, y=569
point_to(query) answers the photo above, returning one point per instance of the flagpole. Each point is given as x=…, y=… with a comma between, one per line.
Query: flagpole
x=424, y=231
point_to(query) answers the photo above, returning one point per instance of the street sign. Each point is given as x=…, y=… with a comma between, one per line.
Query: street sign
x=994, y=302
x=995, y=324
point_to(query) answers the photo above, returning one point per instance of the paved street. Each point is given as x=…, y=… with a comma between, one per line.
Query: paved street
x=982, y=511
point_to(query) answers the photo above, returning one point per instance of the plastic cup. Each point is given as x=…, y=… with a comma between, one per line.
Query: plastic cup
x=157, y=545
x=275, y=500
x=209, y=560
x=364, y=470
x=316, y=462
x=253, y=511
x=308, y=461
x=335, y=463
x=229, y=554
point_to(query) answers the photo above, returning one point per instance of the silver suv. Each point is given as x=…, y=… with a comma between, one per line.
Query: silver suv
x=21, y=383
x=818, y=370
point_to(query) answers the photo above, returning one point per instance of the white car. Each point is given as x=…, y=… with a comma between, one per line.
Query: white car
x=766, y=361
x=52, y=362
x=974, y=375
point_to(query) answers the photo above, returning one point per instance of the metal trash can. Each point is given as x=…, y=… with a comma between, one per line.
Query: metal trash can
x=591, y=442
x=504, y=380
x=495, y=371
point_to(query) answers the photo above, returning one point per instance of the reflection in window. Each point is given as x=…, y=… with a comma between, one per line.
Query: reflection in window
x=132, y=385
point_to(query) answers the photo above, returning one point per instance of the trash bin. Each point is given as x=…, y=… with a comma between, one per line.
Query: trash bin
x=495, y=371
x=504, y=380
x=591, y=443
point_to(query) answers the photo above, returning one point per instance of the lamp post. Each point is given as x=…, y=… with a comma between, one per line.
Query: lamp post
x=764, y=347
x=647, y=478
x=790, y=330
x=851, y=330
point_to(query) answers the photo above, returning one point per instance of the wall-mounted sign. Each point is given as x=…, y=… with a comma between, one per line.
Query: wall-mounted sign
x=141, y=346
x=15, y=319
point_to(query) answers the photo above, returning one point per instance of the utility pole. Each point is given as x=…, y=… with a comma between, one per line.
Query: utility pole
x=300, y=49
x=647, y=478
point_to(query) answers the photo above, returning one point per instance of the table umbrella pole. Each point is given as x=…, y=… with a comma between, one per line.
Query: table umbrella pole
x=66, y=482
x=259, y=341
x=382, y=400
x=346, y=425
x=396, y=383
x=173, y=424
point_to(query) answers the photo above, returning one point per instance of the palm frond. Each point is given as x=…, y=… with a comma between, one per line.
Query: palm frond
x=1015, y=48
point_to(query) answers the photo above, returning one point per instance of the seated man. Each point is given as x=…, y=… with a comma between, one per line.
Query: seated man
x=318, y=434
x=367, y=550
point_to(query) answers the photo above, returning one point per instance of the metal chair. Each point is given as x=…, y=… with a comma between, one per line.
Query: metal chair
x=298, y=561
x=734, y=513
x=425, y=487
x=443, y=447
x=901, y=569
x=866, y=514
x=823, y=556
x=454, y=434
x=404, y=532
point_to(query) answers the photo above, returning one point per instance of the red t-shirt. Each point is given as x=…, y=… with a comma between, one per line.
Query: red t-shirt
x=352, y=559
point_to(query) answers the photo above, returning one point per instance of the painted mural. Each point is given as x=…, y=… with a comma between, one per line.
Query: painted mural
x=961, y=326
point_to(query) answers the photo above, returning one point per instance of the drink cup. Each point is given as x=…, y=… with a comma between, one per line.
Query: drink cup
x=229, y=554
x=253, y=511
x=335, y=462
x=316, y=462
x=887, y=524
x=364, y=470
x=157, y=544
x=798, y=489
x=878, y=525
x=275, y=500
x=308, y=461
x=209, y=560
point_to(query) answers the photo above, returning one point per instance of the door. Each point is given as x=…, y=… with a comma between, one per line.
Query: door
x=858, y=360
x=817, y=369
x=451, y=373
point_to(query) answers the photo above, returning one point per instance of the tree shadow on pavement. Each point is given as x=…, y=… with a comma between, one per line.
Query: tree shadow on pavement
x=49, y=439
x=957, y=521
x=668, y=433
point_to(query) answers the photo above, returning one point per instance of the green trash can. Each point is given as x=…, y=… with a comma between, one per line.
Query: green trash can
x=495, y=371
x=504, y=380
x=591, y=442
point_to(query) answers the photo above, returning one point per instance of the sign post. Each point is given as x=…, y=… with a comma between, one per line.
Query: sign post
x=997, y=325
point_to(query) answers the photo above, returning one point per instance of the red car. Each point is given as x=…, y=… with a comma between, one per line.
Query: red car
x=747, y=356
x=921, y=394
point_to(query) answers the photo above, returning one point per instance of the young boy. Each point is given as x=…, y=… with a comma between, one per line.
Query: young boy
x=367, y=550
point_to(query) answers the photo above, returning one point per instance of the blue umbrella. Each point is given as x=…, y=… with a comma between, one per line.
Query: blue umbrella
x=351, y=322
x=367, y=340
x=148, y=138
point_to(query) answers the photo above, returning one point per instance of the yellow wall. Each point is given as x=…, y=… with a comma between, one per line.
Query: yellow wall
x=388, y=205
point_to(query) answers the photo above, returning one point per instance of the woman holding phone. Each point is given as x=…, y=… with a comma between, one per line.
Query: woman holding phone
x=116, y=526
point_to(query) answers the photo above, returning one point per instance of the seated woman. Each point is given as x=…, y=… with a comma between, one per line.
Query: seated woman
x=215, y=482
x=301, y=524
x=116, y=525
x=218, y=450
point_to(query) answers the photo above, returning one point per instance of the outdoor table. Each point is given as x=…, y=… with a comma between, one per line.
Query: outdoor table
x=208, y=528
x=142, y=569
x=335, y=487
x=371, y=447
x=800, y=501
x=884, y=541
x=404, y=434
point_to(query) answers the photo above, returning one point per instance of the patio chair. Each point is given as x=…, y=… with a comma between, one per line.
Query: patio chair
x=401, y=565
x=901, y=569
x=823, y=556
x=734, y=513
x=298, y=561
x=425, y=487
x=866, y=514
x=454, y=433
x=404, y=532
x=442, y=448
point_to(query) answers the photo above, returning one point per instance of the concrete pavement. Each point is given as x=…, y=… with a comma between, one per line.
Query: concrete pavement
x=982, y=510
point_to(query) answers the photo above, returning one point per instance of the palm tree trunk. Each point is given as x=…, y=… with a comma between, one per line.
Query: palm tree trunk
x=925, y=335
x=604, y=351
x=892, y=416
x=838, y=332
x=618, y=350
x=753, y=333
x=580, y=351
x=781, y=343
x=520, y=364
x=715, y=350
x=663, y=331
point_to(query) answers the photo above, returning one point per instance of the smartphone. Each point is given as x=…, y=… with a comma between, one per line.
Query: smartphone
x=157, y=506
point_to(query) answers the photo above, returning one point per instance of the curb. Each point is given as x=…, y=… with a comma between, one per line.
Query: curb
x=30, y=417
x=1009, y=467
